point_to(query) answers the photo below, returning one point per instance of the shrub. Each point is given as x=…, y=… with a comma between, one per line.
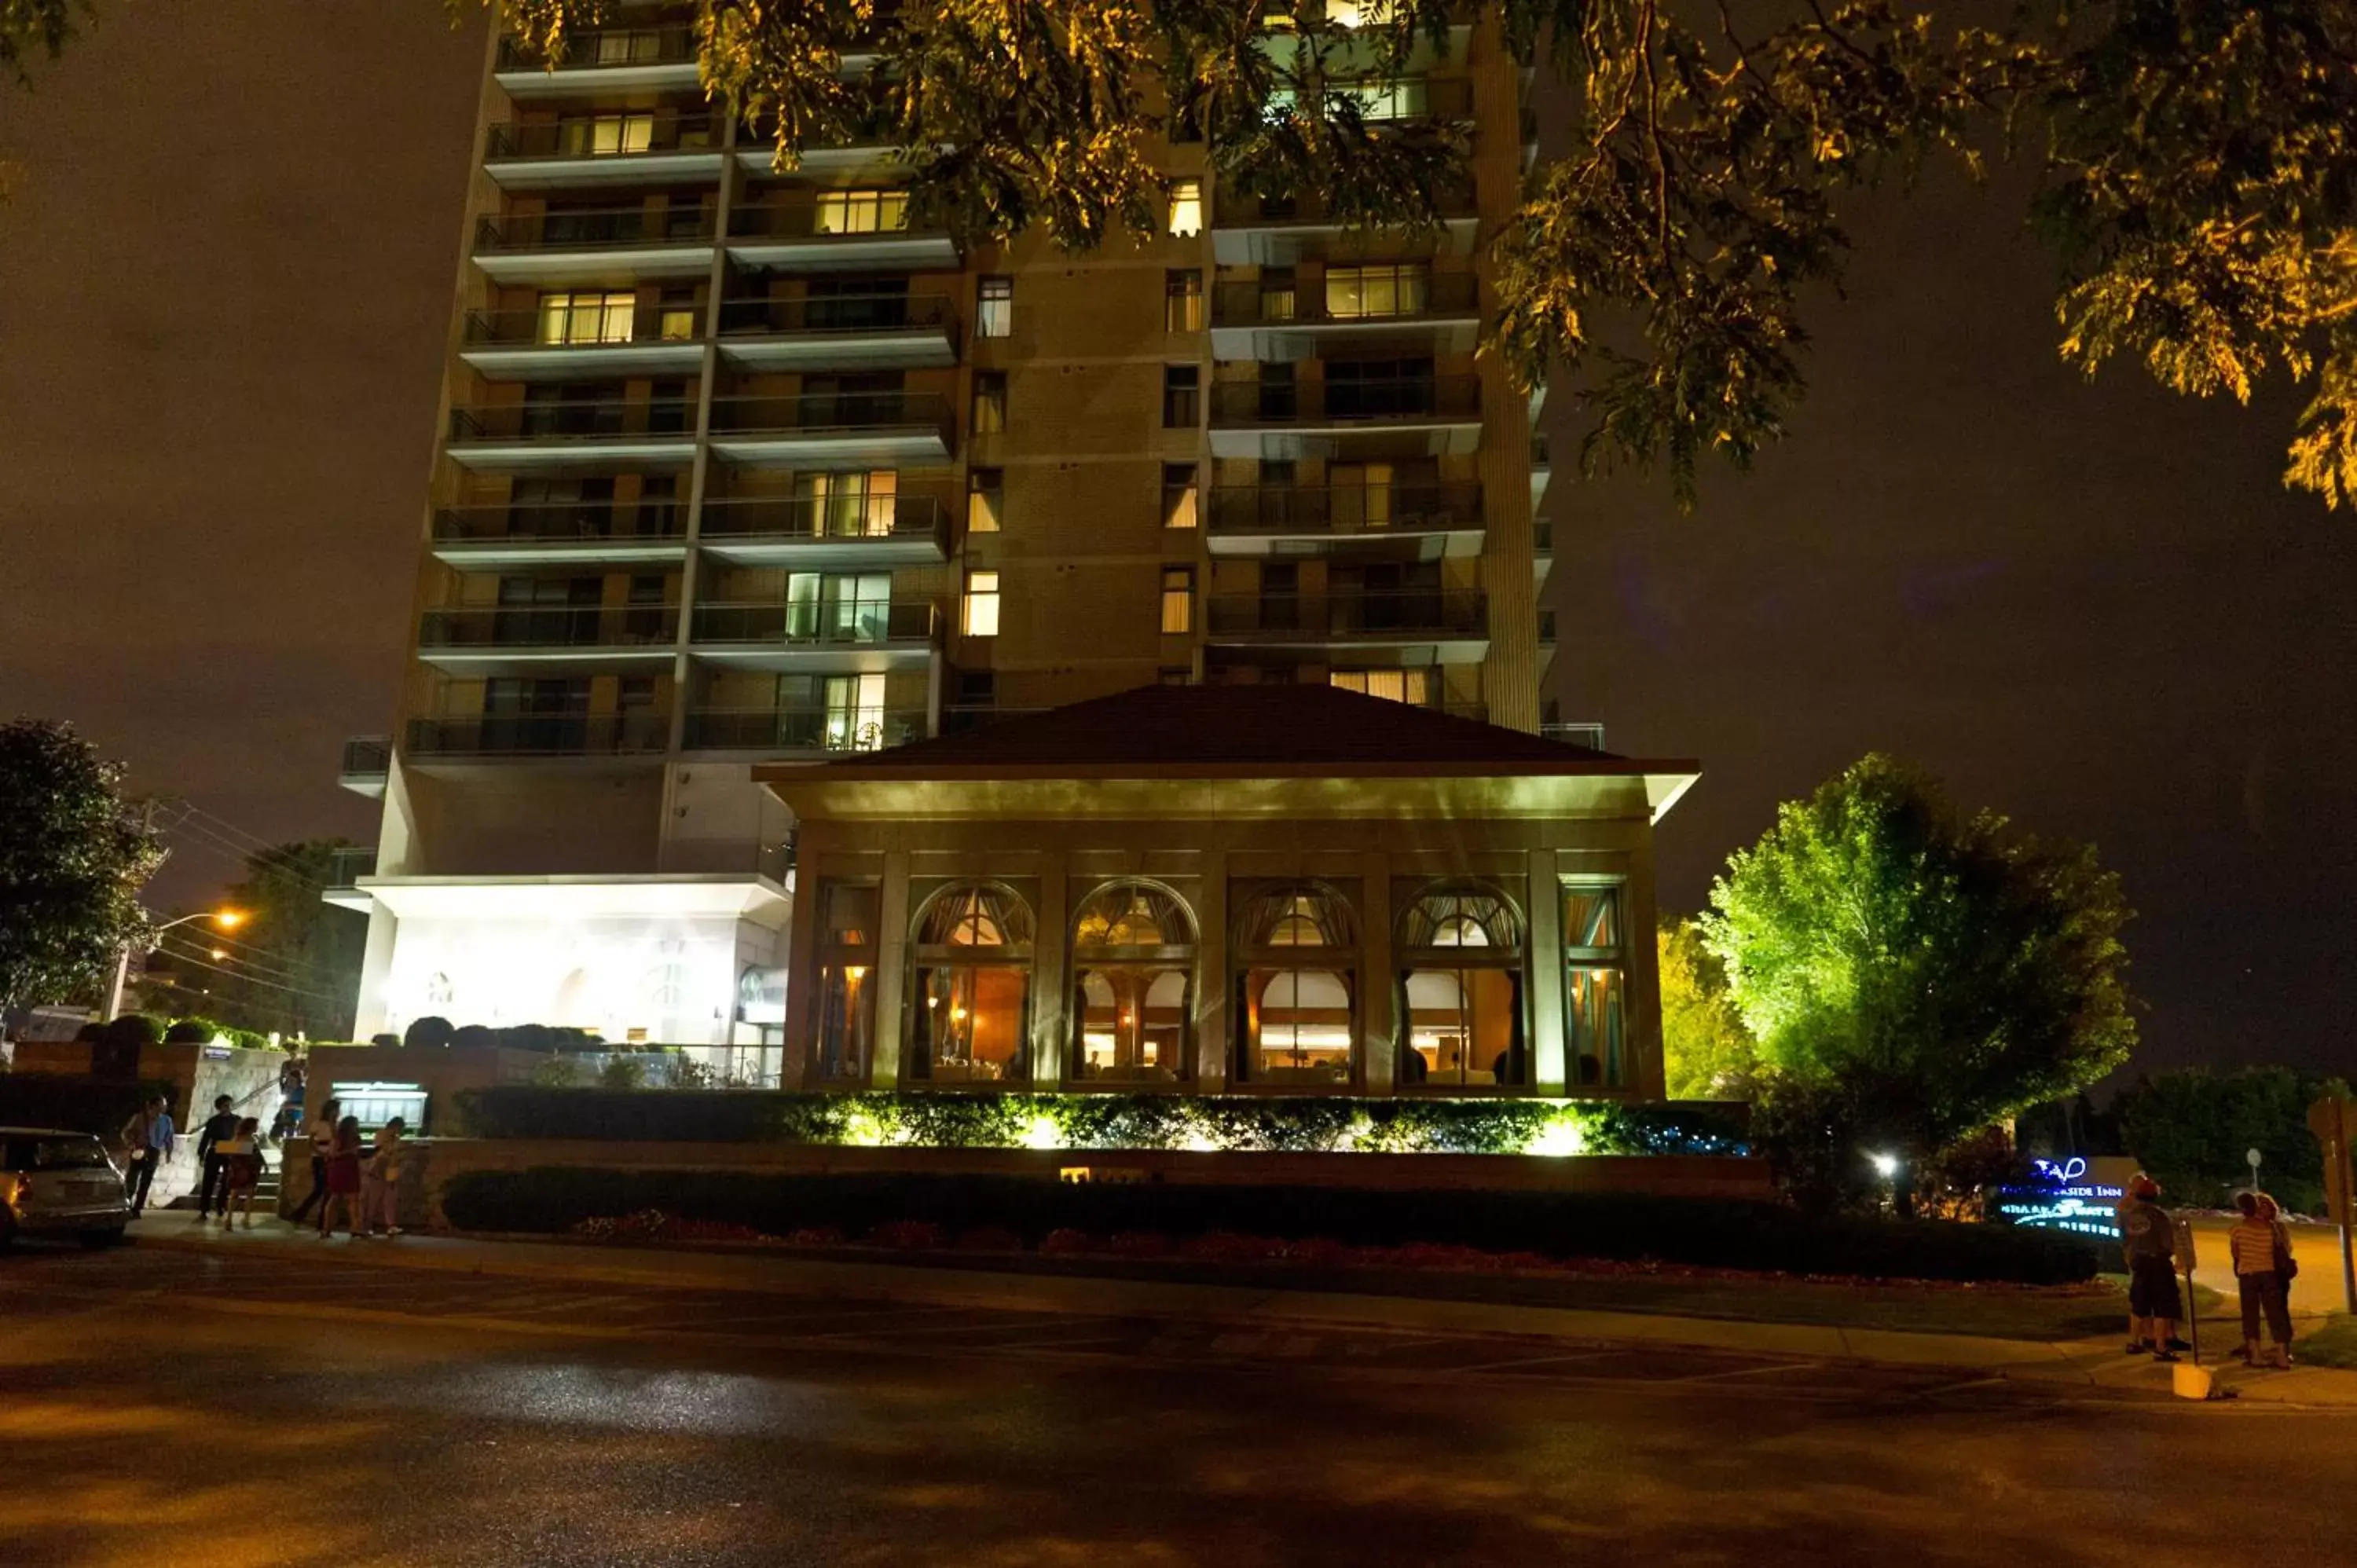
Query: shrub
x=622, y=1074
x=132, y=1030
x=431, y=1033
x=384, y=1039
x=1062, y=1217
x=193, y=1031
x=473, y=1037
x=555, y=1073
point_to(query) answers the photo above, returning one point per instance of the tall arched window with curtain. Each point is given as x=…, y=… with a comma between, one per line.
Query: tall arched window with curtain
x=1460, y=950
x=1594, y=951
x=970, y=1010
x=1296, y=987
x=1133, y=981
x=848, y=945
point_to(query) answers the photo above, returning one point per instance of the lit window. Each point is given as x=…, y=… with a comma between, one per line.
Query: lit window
x=1594, y=984
x=848, y=940
x=1295, y=957
x=1177, y=600
x=848, y=506
x=1183, y=300
x=1461, y=986
x=1404, y=289
x=1179, y=495
x=994, y=317
x=981, y=603
x=855, y=713
x=1186, y=207
x=678, y=323
x=989, y=401
x=607, y=135
x=861, y=211
x=1391, y=685
x=971, y=1008
x=1181, y=396
x=1134, y=948
x=589, y=317
x=985, y=500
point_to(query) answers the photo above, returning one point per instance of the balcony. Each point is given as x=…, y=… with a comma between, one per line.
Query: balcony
x=812, y=534
x=1590, y=735
x=367, y=765
x=869, y=150
x=600, y=245
x=1268, y=319
x=612, y=60
x=548, y=534
x=1427, y=522
x=1249, y=231
x=1542, y=470
x=517, y=639
x=346, y=865
x=847, y=637
x=1542, y=550
x=469, y=736
x=1422, y=625
x=1269, y=419
x=804, y=237
x=1546, y=639
x=883, y=429
x=1399, y=100
x=541, y=343
x=802, y=732
x=623, y=147
x=840, y=332
x=555, y=431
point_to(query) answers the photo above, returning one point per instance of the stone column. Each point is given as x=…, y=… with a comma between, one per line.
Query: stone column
x=1545, y=903
x=1640, y=998
x=1211, y=1021
x=891, y=977
x=1050, y=985
x=1378, y=986
x=802, y=936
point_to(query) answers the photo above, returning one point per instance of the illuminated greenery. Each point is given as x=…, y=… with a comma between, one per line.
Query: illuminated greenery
x=1706, y=1053
x=73, y=856
x=1103, y=1121
x=1912, y=976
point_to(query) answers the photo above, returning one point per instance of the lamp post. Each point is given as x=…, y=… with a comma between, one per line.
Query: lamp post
x=227, y=919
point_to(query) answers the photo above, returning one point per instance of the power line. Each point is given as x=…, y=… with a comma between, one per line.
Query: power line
x=253, y=980
x=268, y=967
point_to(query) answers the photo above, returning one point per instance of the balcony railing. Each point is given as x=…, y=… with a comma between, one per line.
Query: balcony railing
x=540, y=734
x=829, y=411
x=820, y=315
x=841, y=623
x=808, y=220
x=1235, y=210
x=1346, y=296
x=607, y=50
x=1373, y=401
x=1345, y=509
x=532, y=327
x=1406, y=98
x=804, y=729
x=616, y=136
x=367, y=756
x=550, y=626
x=803, y=517
x=554, y=522
x=348, y=864
x=615, y=226
x=1346, y=613
x=568, y=420
x=1590, y=735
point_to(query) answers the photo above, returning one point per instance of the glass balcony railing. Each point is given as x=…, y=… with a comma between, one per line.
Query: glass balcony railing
x=868, y=218
x=804, y=729
x=573, y=419
x=619, y=134
x=552, y=522
x=544, y=326
x=760, y=416
x=825, y=314
x=849, y=518
x=1344, y=613
x=550, y=626
x=1345, y=509
x=1235, y=210
x=613, y=226
x=348, y=864
x=540, y=734
x=607, y=49
x=1348, y=296
x=1338, y=401
x=841, y=623
x=367, y=756
x=1397, y=99
x=1590, y=735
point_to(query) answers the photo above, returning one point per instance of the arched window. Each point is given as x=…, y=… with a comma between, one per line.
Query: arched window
x=1461, y=958
x=971, y=1004
x=1297, y=958
x=1133, y=967
x=849, y=931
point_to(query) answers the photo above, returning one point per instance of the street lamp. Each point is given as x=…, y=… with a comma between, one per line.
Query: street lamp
x=227, y=919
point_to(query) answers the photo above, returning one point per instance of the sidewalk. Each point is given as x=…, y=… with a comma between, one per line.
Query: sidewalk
x=2096, y=1362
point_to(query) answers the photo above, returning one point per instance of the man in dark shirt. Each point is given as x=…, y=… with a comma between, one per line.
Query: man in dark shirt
x=2154, y=1303
x=220, y=1125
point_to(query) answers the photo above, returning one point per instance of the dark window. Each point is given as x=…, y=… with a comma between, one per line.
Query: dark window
x=989, y=401
x=1181, y=396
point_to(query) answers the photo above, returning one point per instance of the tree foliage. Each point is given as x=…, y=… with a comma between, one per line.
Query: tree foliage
x=73, y=856
x=295, y=964
x=1706, y=1052
x=1912, y=976
x=2190, y=1128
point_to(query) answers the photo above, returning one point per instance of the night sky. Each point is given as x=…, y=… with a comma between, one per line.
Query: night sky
x=224, y=289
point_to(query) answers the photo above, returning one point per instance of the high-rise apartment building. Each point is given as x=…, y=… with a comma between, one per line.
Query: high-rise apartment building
x=739, y=466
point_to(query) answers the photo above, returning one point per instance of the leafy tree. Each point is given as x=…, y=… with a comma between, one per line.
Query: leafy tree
x=73, y=856
x=2194, y=174
x=1912, y=976
x=1707, y=1052
x=2191, y=1128
x=292, y=965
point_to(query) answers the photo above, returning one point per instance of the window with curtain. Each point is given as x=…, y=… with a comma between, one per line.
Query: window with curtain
x=989, y=401
x=1177, y=600
x=981, y=604
x=1459, y=950
x=1413, y=686
x=1595, y=986
x=849, y=506
x=1183, y=300
x=1181, y=495
x=970, y=1004
x=861, y=211
x=847, y=948
x=597, y=315
x=985, y=506
x=607, y=136
x=1133, y=966
x=993, y=314
x=1186, y=207
x=1297, y=955
x=1181, y=396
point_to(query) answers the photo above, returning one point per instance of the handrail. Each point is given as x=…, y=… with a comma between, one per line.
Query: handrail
x=367, y=755
x=602, y=416
x=848, y=519
x=838, y=622
x=598, y=226
x=607, y=49
x=1375, y=400
x=538, y=735
x=1417, y=293
x=758, y=413
x=576, y=136
x=548, y=625
x=1234, y=210
x=880, y=312
x=1345, y=509
x=532, y=327
x=803, y=728
x=662, y=516
x=798, y=221
x=1350, y=612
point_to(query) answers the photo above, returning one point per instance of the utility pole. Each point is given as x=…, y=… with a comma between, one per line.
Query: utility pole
x=2332, y=1121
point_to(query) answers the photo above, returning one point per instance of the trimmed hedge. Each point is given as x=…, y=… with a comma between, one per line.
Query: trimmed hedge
x=1103, y=1121
x=1702, y=1232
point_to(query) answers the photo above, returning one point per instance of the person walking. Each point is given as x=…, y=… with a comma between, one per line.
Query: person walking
x=240, y=1157
x=381, y=1190
x=2263, y=1264
x=214, y=1185
x=323, y=1139
x=147, y=1143
x=343, y=1178
x=2154, y=1303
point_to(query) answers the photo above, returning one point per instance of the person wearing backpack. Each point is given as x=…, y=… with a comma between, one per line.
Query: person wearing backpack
x=2263, y=1270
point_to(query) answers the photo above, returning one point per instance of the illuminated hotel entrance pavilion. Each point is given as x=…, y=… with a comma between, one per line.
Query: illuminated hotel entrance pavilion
x=1287, y=889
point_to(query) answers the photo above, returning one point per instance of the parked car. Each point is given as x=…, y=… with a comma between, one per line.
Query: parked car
x=55, y=1183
